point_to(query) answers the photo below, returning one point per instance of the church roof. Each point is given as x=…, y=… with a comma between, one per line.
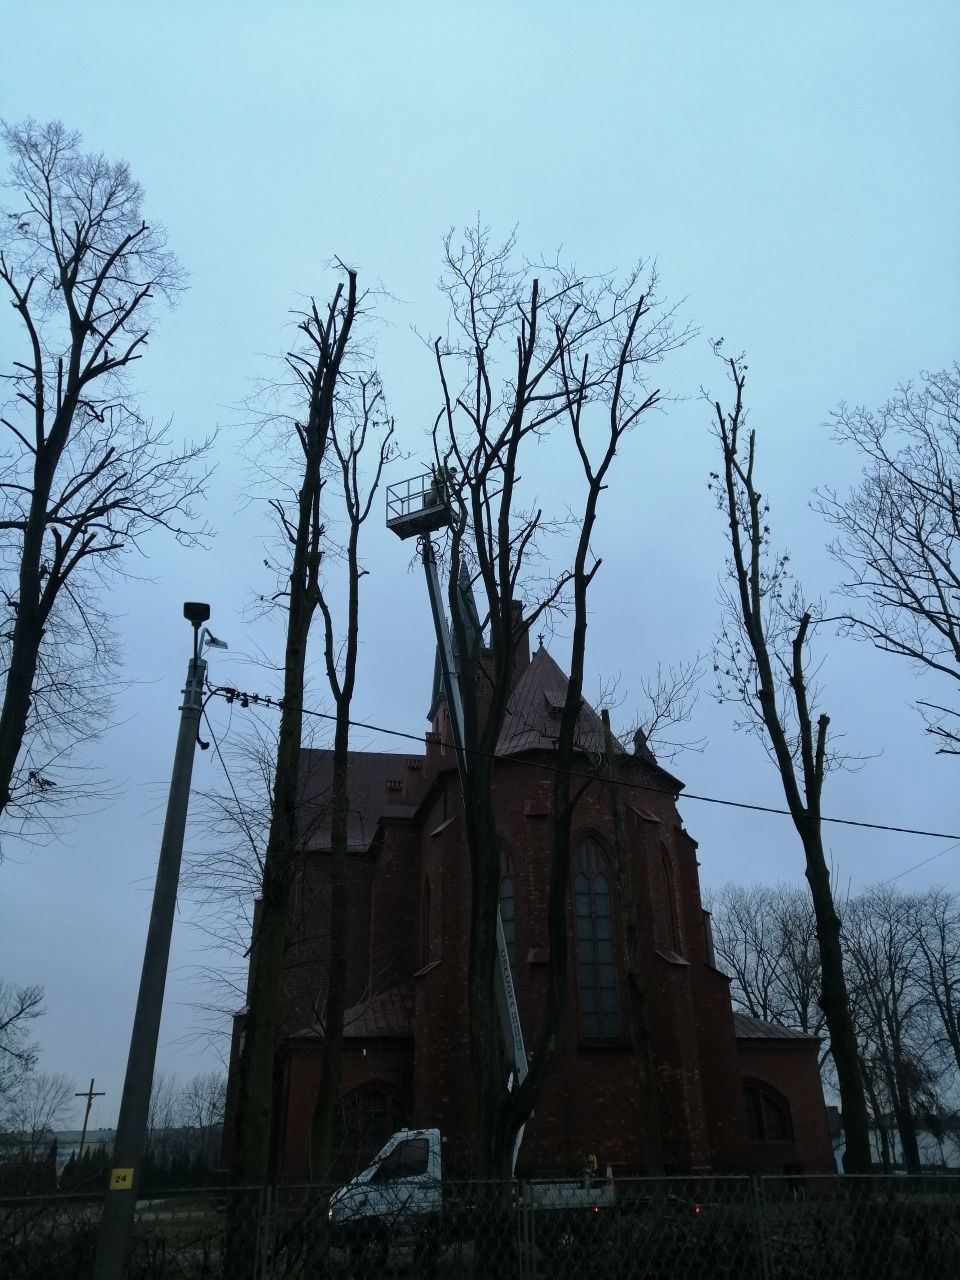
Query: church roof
x=746, y=1027
x=532, y=720
x=378, y=783
x=383, y=1017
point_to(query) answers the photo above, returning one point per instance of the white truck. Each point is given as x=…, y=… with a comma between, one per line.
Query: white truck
x=402, y=1199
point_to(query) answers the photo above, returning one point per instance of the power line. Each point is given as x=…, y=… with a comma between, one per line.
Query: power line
x=226, y=771
x=223, y=763
x=918, y=865
x=231, y=696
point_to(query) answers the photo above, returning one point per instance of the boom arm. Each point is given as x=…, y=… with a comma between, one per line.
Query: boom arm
x=417, y=508
x=510, y=1028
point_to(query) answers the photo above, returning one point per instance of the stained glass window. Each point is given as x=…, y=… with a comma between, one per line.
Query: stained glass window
x=600, y=1017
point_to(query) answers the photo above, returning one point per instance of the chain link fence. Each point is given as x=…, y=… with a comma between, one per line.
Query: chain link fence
x=790, y=1228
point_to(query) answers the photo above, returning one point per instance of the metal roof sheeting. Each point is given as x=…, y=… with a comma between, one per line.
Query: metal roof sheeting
x=747, y=1028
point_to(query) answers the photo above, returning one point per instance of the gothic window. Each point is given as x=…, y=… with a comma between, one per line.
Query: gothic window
x=669, y=925
x=599, y=997
x=367, y=1117
x=508, y=913
x=425, y=924
x=767, y=1115
x=444, y=728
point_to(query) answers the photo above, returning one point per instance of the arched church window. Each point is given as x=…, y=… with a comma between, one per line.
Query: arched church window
x=669, y=930
x=508, y=912
x=597, y=988
x=767, y=1114
x=367, y=1117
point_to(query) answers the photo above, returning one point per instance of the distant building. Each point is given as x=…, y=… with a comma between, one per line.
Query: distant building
x=735, y=1093
x=938, y=1140
x=68, y=1143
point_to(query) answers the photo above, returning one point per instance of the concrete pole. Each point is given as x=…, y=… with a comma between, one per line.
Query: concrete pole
x=121, y=1197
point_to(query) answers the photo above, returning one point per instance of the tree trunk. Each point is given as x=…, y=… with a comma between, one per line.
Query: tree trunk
x=746, y=512
x=637, y=1010
x=255, y=1098
x=257, y=1094
x=30, y=617
x=493, y=1149
x=21, y=673
x=323, y=1126
x=878, y=1120
x=835, y=1002
x=255, y=1091
x=906, y=1120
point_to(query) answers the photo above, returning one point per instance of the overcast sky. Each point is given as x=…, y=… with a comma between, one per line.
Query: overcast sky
x=794, y=170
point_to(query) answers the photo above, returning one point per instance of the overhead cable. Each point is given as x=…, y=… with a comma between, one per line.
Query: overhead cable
x=232, y=696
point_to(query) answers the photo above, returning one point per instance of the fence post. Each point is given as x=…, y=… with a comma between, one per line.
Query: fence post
x=520, y=1222
x=758, y=1213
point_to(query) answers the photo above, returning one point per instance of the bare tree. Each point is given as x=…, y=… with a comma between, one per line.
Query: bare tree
x=898, y=531
x=936, y=927
x=892, y=1011
x=763, y=663
x=340, y=409
x=19, y=1007
x=670, y=697
x=765, y=939
x=533, y=354
x=38, y=1106
x=164, y=1114
x=185, y=1120
x=223, y=875
x=203, y=1099
x=902, y=957
x=204, y=1102
x=361, y=440
x=801, y=980
x=83, y=475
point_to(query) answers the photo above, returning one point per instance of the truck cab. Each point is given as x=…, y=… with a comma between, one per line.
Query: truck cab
x=404, y=1180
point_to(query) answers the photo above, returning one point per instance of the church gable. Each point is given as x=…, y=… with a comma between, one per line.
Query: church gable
x=407, y=1029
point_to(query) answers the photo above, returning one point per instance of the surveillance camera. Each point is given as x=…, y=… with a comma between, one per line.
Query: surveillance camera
x=196, y=612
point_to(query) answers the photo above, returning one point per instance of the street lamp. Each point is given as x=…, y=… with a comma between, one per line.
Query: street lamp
x=121, y=1197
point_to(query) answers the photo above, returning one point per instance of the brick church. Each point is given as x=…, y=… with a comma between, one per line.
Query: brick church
x=735, y=1094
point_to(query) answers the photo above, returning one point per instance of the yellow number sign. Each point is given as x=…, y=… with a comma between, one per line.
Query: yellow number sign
x=121, y=1179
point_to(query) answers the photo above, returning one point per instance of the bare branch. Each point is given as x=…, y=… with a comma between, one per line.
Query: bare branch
x=898, y=530
x=87, y=477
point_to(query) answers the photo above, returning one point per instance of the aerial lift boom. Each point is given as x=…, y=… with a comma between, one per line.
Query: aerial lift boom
x=418, y=508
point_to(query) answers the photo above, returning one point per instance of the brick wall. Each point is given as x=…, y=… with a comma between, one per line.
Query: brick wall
x=384, y=1065
x=592, y=1102
x=442, y=1076
x=789, y=1068
x=307, y=944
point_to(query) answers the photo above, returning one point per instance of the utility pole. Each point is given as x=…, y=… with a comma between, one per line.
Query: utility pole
x=89, y=1095
x=116, y=1224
